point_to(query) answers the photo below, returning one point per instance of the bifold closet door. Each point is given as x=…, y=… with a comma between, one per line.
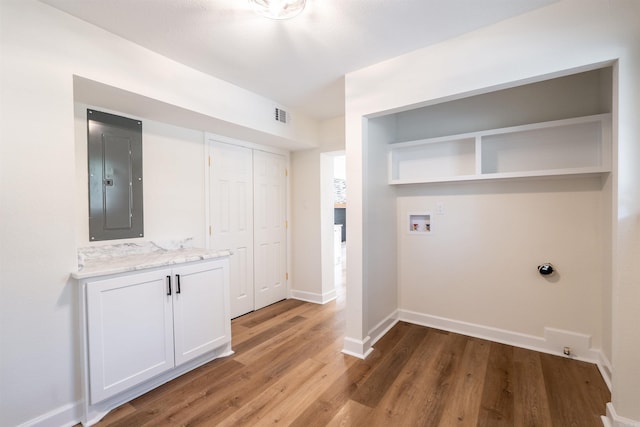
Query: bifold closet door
x=231, y=210
x=269, y=219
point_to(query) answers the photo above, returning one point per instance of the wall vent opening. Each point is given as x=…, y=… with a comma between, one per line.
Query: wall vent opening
x=281, y=115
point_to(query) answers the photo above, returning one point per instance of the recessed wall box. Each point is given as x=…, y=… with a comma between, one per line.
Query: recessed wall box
x=419, y=223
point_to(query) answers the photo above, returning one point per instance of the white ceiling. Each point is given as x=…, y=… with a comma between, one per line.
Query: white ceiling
x=299, y=63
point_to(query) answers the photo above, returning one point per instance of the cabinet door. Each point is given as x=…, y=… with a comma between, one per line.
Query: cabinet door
x=130, y=334
x=201, y=309
x=270, y=235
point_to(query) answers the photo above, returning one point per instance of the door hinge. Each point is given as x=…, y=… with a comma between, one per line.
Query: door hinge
x=210, y=230
x=209, y=160
x=286, y=172
x=286, y=224
x=286, y=276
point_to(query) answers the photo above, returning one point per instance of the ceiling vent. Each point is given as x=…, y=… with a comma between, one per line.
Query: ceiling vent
x=281, y=115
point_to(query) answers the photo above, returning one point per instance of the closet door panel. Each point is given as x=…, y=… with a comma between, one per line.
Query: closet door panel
x=231, y=212
x=269, y=228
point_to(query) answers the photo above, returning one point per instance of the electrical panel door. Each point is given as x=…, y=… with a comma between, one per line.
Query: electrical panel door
x=115, y=176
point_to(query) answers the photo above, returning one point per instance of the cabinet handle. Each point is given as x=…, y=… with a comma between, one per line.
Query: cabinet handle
x=177, y=283
x=169, y=283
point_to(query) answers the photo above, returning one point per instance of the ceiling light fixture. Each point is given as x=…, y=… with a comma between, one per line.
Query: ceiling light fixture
x=278, y=9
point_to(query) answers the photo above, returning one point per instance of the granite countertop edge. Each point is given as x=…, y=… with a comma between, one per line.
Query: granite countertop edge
x=137, y=262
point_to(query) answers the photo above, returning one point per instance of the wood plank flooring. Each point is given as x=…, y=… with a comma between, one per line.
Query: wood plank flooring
x=288, y=370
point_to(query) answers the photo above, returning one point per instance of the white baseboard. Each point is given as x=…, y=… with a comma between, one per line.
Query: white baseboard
x=605, y=369
x=612, y=419
x=553, y=342
x=383, y=327
x=363, y=348
x=313, y=297
x=357, y=348
x=64, y=416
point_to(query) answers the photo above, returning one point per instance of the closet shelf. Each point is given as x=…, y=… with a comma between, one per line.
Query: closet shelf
x=573, y=146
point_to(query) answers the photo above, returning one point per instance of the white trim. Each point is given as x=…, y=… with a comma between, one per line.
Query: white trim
x=612, y=419
x=357, y=348
x=552, y=342
x=605, y=369
x=64, y=416
x=471, y=329
x=362, y=349
x=383, y=327
x=208, y=152
x=209, y=136
x=313, y=297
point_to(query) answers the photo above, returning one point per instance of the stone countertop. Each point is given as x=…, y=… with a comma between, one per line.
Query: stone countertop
x=97, y=261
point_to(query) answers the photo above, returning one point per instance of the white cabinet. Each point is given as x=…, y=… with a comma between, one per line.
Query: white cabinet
x=201, y=321
x=142, y=329
x=129, y=331
x=563, y=147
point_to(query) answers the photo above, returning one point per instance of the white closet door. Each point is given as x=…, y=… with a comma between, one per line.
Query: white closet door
x=269, y=228
x=232, y=219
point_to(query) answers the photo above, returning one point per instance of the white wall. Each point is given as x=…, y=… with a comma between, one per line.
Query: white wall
x=546, y=42
x=581, y=94
x=306, y=274
x=174, y=181
x=379, y=228
x=309, y=278
x=40, y=196
x=626, y=251
x=479, y=263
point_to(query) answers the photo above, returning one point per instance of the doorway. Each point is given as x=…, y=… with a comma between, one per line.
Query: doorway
x=333, y=228
x=340, y=222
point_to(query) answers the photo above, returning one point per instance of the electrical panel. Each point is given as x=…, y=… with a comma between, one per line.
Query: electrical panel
x=115, y=176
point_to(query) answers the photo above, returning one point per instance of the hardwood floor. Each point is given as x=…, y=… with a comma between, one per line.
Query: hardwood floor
x=288, y=370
